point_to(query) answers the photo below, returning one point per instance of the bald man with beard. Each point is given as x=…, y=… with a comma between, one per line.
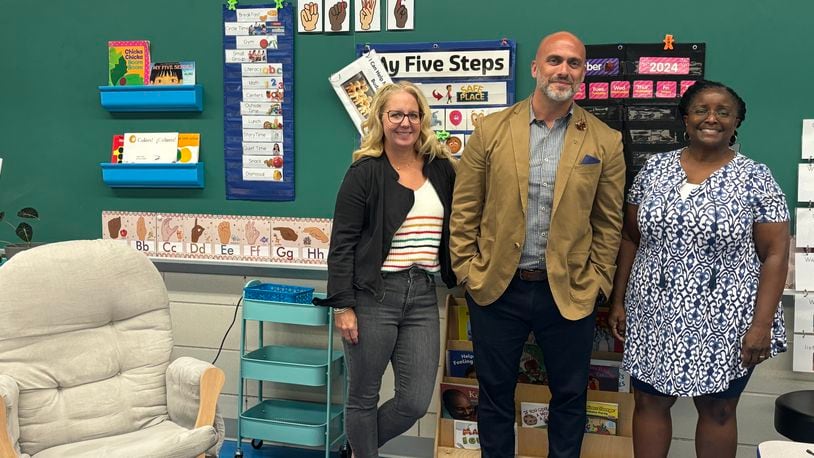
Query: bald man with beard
x=534, y=232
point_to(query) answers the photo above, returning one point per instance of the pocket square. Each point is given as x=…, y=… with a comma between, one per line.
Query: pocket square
x=588, y=160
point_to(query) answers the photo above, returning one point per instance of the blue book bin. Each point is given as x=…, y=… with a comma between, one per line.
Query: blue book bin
x=153, y=175
x=152, y=98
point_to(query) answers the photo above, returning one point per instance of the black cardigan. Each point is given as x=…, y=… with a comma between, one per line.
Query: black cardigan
x=370, y=207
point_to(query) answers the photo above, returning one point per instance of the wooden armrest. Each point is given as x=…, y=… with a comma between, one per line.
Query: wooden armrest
x=6, y=447
x=212, y=382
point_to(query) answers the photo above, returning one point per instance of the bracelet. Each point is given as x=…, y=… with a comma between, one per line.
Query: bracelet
x=339, y=310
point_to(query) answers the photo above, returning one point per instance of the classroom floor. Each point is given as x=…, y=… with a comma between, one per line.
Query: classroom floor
x=400, y=447
x=270, y=451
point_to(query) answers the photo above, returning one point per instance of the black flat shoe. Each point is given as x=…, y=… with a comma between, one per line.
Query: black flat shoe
x=345, y=451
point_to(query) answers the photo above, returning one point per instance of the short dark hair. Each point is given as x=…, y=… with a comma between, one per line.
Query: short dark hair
x=703, y=85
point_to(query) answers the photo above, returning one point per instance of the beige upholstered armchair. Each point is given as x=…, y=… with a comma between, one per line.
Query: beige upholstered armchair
x=85, y=344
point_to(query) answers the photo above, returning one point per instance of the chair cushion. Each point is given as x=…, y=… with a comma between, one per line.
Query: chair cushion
x=794, y=415
x=86, y=334
x=165, y=440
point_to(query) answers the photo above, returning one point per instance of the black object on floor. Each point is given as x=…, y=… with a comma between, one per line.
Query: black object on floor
x=345, y=451
x=794, y=415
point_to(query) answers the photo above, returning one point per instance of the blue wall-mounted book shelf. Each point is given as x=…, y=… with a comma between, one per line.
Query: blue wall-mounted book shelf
x=152, y=98
x=153, y=175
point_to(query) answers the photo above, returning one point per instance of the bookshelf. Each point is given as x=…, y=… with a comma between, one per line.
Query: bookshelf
x=152, y=98
x=533, y=442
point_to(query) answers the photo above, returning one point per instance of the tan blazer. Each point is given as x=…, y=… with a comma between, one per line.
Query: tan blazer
x=488, y=221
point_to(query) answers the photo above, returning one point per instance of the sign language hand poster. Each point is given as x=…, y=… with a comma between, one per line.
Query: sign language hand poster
x=400, y=14
x=368, y=16
x=309, y=16
x=337, y=16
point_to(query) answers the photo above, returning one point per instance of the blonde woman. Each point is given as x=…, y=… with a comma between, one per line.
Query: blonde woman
x=390, y=237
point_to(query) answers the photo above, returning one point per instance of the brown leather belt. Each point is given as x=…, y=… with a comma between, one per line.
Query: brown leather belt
x=532, y=274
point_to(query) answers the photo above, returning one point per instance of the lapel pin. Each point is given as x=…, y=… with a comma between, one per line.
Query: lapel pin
x=580, y=125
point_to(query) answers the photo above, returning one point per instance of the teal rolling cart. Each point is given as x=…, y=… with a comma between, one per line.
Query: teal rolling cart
x=287, y=421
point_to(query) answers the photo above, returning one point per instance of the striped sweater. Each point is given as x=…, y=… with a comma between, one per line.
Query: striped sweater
x=416, y=241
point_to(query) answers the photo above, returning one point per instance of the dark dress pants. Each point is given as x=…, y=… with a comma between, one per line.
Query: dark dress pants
x=499, y=331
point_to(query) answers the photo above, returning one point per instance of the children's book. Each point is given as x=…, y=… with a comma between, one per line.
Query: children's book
x=459, y=316
x=118, y=149
x=159, y=147
x=603, y=339
x=532, y=369
x=466, y=435
x=533, y=415
x=182, y=73
x=608, y=375
x=188, y=147
x=602, y=417
x=460, y=363
x=128, y=63
x=146, y=147
x=459, y=402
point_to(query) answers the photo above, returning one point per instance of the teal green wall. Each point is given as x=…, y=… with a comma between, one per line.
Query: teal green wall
x=53, y=132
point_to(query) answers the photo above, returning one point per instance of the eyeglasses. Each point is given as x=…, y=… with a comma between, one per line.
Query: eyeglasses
x=720, y=113
x=397, y=116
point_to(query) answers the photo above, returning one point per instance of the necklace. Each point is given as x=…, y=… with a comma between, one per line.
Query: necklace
x=404, y=166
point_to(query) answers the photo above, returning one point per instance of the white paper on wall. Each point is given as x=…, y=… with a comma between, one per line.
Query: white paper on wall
x=804, y=313
x=804, y=227
x=803, y=353
x=804, y=272
x=805, y=183
x=808, y=139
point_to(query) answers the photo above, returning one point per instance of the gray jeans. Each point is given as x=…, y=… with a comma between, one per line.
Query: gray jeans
x=402, y=328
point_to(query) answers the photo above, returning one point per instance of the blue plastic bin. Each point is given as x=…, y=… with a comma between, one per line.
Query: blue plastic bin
x=273, y=292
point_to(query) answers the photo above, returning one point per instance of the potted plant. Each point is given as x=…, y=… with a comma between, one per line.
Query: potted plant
x=23, y=230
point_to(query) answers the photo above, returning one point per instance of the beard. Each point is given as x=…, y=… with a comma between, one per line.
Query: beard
x=555, y=94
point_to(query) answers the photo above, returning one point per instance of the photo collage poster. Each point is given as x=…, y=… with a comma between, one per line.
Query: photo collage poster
x=356, y=83
x=462, y=81
x=258, y=82
x=635, y=88
x=294, y=242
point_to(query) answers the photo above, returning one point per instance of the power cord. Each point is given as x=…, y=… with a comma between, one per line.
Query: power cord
x=234, y=318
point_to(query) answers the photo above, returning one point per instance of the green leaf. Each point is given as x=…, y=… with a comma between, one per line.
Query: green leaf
x=112, y=57
x=118, y=71
x=25, y=232
x=28, y=212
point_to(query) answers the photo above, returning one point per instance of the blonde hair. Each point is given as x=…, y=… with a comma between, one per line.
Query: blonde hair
x=373, y=139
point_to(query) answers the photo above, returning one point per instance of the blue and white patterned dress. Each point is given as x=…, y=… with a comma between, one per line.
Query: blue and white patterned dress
x=691, y=294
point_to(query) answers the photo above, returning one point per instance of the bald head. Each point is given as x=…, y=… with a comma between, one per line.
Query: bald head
x=566, y=37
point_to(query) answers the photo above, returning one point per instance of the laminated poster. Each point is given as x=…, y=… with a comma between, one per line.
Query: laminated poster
x=357, y=83
x=258, y=76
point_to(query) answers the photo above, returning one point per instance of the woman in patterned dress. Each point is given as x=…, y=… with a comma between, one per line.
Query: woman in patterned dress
x=701, y=270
